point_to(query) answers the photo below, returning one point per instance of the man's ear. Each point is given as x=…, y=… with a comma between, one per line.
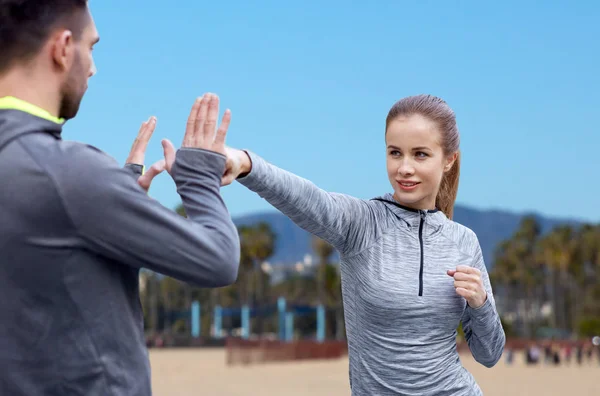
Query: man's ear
x=63, y=49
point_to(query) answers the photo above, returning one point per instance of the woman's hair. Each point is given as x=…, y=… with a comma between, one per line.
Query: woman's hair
x=438, y=111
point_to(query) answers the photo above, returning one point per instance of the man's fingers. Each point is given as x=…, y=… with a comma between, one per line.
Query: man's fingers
x=169, y=154
x=146, y=179
x=222, y=131
x=140, y=131
x=451, y=272
x=188, y=138
x=211, y=119
x=145, y=134
x=138, y=148
x=135, y=143
x=200, y=120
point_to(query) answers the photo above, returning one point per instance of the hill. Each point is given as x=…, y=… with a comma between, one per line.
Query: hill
x=491, y=227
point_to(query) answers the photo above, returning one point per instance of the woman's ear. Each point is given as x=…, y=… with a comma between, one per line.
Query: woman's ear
x=450, y=161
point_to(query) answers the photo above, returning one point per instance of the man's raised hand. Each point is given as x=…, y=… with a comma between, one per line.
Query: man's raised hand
x=201, y=130
x=138, y=148
x=138, y=153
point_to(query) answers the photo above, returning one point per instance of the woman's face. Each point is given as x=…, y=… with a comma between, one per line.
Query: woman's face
x=415, y=160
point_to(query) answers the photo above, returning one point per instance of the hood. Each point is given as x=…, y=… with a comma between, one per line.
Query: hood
x=412, y=216
x=18, y=118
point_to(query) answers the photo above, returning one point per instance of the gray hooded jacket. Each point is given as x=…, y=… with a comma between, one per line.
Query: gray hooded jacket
x=75, y=230
x=401, y=308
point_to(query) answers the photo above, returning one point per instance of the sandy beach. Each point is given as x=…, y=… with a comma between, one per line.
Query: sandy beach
x=191, y=372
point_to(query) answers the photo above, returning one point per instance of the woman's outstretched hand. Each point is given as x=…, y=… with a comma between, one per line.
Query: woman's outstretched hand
x=468, y=284
x=238, y=163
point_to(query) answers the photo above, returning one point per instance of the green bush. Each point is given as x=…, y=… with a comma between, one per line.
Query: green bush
x=589, y=327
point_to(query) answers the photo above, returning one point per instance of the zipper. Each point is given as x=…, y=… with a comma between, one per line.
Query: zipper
x=423, y=214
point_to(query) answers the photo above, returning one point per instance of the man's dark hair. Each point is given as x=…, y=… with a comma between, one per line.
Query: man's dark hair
x=26, y=24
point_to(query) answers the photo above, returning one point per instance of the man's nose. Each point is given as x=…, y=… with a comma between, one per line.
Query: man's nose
x=93, y=69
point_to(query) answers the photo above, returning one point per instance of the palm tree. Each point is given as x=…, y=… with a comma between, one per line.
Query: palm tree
x=517, y=268
x=329, y=283
x=187, y=288
x=559, y=251
x=149, y=298
x=589, y=245
x=258, y=244
x=505, y=271
x=531, y=272
x=324, y=251
x=173, y=296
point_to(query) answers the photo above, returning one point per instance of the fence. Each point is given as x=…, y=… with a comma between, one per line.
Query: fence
x=241, y=351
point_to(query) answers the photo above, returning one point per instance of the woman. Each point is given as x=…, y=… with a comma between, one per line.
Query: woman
x=410, y=274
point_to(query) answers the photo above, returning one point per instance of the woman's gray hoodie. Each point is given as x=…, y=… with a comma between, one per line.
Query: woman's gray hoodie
x=400, y=305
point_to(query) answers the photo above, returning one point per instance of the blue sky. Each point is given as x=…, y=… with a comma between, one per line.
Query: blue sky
x=309, y=84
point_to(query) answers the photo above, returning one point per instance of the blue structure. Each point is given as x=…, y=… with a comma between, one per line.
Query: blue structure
x=218, y=321
x=320, y=323
x=286, y=314
x=195, y=319
x=289, y=327
x=245, y=322
x=281, y=313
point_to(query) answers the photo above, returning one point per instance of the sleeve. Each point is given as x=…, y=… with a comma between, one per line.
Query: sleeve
x=116, y=219
x=482, y=327
x=347, y=223
x=135, y=170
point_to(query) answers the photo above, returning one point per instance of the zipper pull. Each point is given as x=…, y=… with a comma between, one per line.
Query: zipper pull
x=423, y=214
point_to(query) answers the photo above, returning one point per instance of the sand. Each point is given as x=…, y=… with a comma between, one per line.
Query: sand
x=191, y=372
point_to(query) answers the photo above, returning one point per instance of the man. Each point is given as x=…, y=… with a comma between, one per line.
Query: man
x=75, y=228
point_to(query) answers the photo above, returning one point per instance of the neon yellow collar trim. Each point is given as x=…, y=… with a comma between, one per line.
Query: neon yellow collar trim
x=12, y=103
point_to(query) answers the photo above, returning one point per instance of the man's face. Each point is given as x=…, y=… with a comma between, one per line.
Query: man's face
x=81, y=68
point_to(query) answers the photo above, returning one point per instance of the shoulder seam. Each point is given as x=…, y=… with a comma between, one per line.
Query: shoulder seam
x=372, y=243
x=460, y=248
x=54, y=183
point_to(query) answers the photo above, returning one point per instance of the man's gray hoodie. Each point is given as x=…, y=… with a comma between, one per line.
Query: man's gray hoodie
x=75, y=230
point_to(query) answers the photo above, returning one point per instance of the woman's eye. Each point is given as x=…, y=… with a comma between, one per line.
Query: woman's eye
x=421, y=154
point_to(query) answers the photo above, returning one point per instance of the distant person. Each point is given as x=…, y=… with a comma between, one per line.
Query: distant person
x=579, y=354
x=410, y=274
x=536, y=353
x=533, y=354
x=509, y=356
x=568, y=351
x=547, y=353
x=75, y=227
x=556, y=355
x=590, y=353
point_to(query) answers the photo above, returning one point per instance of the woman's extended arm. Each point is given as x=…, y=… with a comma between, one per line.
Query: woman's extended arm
x=345, y=222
